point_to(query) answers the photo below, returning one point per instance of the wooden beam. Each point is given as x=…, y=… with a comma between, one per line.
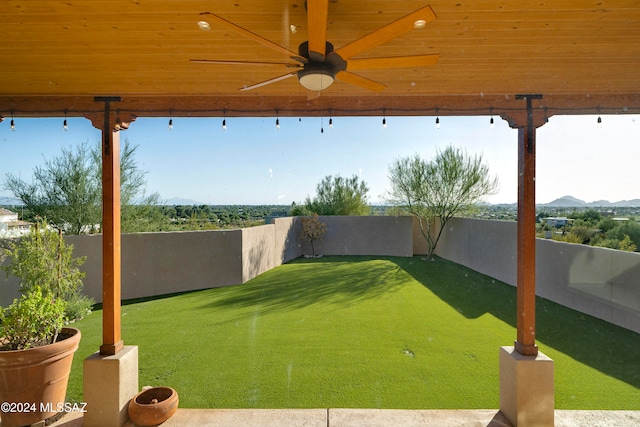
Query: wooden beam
x=296, y=105
x=111, y=331
x=526, y=271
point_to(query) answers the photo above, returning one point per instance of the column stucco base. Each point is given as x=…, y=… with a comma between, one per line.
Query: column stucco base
x=526, y=388
x=109, y=384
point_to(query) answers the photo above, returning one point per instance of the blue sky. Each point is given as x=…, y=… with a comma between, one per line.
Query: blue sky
x=252, y=162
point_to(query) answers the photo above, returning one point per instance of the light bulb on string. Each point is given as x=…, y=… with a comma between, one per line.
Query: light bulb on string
x=599, y=120
x=13, y=124
x=224, y=124
x=170, y=124
x=65, y=125
x=491, y=123
x=437, y=122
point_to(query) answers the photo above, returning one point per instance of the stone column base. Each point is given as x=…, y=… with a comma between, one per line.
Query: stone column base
x=526, y=388
x=109, y=384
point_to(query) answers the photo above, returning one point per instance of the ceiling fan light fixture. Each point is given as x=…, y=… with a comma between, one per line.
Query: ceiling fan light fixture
x=316, y=78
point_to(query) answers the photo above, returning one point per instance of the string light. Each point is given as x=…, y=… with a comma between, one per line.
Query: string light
x=491, y=123
x=65, y=125
x=170, y=124
x=437, y=122
x=13, y=123
x=599, y=121
x=224, y=119
x=321, y=124
x=330, y=123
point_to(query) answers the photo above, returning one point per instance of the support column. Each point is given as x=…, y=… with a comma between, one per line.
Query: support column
x=526, y=375
x=110, y=375
x=111, y=339
x=526, y=272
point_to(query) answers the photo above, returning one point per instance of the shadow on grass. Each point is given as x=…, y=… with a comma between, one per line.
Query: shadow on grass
x=98, y=306
x=608, y=348
x=343, y=281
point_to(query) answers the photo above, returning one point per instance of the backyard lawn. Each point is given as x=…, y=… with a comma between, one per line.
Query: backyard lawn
x=345, y=332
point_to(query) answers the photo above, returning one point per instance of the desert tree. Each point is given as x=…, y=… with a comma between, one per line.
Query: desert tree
x=435, y=191
x=67, y=190
x=336, y=195
x=312, y=229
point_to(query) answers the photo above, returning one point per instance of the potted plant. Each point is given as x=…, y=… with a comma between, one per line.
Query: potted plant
x=36, y=350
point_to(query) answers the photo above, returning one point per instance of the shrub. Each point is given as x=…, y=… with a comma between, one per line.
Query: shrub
x=42, y=259
x=31, y=321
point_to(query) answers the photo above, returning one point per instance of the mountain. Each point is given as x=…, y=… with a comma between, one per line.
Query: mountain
x=566, y=201
x=10, y=201
x=570, y=201
x=634, y=203
x=175, y=201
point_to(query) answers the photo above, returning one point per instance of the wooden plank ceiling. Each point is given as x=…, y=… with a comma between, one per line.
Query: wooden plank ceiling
x=583, y=56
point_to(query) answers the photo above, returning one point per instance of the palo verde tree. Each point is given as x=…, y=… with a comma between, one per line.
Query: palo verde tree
x=67, y=190
x=336, y=195
x=434, y=191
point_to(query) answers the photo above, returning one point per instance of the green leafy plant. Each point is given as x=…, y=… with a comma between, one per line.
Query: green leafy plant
x=312, y=229
x=627, y=244
x=31, y=321
x=50, y=284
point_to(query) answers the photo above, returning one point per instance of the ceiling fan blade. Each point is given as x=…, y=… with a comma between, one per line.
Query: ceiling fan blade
x=391, y=62
x=388, y=32
x=217, y=62
x=268, y=82
x=252, y=36
x=317, y=11
x=357, y=80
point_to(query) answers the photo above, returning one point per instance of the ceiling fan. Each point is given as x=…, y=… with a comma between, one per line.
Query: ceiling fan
x=318, y=65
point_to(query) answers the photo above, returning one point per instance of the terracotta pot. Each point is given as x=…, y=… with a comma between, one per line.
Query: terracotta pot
x=153, y=406
x=35, y=380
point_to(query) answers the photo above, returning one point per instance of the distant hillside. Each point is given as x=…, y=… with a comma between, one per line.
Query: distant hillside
x=570, y=201
x=10, y=201
x=178, y=201
x=566, y=201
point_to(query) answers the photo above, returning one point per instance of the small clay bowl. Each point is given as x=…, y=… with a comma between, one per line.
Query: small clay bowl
x=153, y=406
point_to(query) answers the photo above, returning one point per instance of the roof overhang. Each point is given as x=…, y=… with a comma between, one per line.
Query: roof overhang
x=57, y=56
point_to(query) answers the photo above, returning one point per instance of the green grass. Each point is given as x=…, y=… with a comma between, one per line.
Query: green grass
x=362, y=332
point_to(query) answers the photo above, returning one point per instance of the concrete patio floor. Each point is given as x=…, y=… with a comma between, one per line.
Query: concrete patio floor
x=370, y=418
